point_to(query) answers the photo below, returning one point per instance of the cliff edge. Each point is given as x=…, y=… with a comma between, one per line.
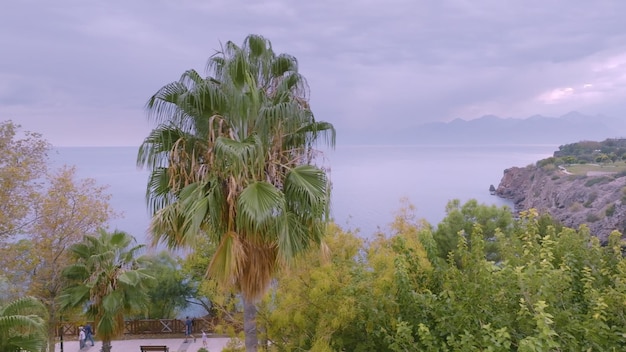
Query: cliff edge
x=597, y=199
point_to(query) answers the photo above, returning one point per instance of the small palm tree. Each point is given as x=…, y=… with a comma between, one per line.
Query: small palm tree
x=109, y=280
x=22, y=327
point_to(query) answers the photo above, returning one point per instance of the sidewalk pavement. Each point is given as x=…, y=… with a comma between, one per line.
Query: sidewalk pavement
x=214, y=344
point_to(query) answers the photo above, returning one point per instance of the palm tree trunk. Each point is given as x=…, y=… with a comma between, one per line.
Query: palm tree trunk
x=52, y=333
x=249, y=324
x=106, y=346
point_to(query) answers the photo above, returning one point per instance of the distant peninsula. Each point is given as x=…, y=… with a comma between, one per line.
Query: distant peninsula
x=582, y=183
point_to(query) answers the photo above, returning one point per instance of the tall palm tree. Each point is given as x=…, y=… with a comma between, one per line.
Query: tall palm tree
x=108, y=280
x=22, y=326
x=232, y=158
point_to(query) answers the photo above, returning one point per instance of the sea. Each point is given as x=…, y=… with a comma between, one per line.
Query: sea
x=369, y=182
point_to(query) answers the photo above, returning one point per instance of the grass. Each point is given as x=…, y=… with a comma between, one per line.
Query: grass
x=582, y=169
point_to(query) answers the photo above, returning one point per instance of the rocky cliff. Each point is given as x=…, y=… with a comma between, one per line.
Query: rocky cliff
x=595, y=199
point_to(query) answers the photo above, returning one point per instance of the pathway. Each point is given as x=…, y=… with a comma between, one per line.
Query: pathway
x=214, y=344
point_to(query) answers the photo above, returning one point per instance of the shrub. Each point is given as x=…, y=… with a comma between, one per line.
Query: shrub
x=593, y=196
x=545, y=162
x=591, y=217
x=234, y=346
x=610, y=210
x=549, y=168
x=575, y=207
x=597, y=180
x=202, y=349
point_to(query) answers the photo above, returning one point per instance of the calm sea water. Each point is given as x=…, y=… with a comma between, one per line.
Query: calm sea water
x=368, y=181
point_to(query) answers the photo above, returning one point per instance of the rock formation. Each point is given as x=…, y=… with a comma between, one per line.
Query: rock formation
x=596, y=199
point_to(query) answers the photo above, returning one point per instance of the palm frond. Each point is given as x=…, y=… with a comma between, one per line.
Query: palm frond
x=26, y=342
x=23, y=305
x=239, y=155
x=227, y=262
x=257, y=206
x=307, y=184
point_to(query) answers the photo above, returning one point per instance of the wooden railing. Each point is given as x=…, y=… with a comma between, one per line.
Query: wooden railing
x=149, y=327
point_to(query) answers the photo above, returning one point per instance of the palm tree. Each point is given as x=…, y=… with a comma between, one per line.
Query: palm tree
x=232, y=158
x=108, y=281
x=22, y=326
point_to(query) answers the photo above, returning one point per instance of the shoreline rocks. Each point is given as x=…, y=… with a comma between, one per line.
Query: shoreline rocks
x=594, y=200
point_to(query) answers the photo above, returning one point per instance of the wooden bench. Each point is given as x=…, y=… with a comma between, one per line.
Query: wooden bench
x=154, y=348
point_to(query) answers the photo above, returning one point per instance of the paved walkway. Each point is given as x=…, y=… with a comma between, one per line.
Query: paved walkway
x=214, y=344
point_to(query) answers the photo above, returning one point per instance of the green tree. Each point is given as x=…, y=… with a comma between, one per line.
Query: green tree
x=170, y=290
x=65, y=210
x=42, y=213
x=461, y=219
x=350, y=298
x=22, y=325
x=108, y=280
x=232, y=158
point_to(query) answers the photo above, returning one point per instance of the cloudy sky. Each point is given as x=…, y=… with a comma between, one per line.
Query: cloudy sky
x=80, y=71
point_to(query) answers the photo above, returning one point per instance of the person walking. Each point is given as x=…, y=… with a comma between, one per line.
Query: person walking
x=204, y=339
x=89, y=334
x=81, y=337
x=188, y=324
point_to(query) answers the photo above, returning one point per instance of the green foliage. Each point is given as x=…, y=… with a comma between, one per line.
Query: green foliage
x=552, y=289
x=610, y=210
x=609, y=149
x=49, y=210
x=169, y=291
x=22, y=325
x=109, y=280
x=232, y=157
x=592, y=217
x=592, y=197
x=598, y=181
x=543, y=163
x=234, y=345
x=460, y=221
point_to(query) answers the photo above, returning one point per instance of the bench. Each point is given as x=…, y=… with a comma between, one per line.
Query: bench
x=154, y=348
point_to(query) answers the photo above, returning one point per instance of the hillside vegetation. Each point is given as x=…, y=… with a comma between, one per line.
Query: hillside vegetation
x=609, y=150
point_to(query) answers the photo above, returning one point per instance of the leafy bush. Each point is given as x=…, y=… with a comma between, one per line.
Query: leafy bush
x=610, y=210
x=234, y=346
x=575, y=207
x=549, y=168
x=591, y=217
x=592, y=197
x=597, y=180
x=395, y=293
x=545, y=162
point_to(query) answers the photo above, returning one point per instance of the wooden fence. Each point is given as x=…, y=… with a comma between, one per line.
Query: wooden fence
x=149, y=327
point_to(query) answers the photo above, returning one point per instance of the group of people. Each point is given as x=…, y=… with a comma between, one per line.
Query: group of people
x=85, y=334
x=189, y=330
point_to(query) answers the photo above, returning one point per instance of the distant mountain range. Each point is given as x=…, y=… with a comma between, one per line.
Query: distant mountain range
x=569, y=128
